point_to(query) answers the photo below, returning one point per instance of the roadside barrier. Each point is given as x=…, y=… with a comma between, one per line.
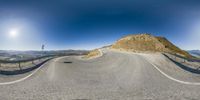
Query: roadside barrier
x=21, y=69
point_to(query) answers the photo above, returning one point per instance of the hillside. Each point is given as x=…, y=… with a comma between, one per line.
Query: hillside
x=93, y=53
x=147, y=42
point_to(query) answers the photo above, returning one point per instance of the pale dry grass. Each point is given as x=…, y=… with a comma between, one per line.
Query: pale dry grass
x=147, y=42
x=93, y=53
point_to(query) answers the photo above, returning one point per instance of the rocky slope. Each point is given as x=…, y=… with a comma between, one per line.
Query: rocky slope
x=147, y=42
x=93, y=53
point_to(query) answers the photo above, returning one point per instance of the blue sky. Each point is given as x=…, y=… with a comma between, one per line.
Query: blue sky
x=89, y=24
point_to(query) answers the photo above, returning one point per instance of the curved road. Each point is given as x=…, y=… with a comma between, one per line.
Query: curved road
x=112, y=76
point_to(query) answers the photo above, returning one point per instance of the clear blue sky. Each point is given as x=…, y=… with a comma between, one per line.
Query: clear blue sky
x=88, y=24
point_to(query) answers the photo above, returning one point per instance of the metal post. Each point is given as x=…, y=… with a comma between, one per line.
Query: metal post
x=175, y=56
x=20, y=66
x=32, y=61
x=43, y=46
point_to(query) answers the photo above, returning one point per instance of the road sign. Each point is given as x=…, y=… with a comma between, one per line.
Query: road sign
x=43, y=47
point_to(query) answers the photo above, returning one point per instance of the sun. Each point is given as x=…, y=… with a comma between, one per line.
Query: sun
x=13, y=33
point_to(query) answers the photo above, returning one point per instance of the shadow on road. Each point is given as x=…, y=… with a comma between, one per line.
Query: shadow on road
x=68, y=62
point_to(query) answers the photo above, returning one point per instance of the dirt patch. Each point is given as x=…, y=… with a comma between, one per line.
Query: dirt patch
x=93, y=53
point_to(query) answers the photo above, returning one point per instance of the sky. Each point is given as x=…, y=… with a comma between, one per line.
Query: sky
x=89, y=24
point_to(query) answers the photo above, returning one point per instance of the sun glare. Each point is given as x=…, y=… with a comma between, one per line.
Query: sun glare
x=13, y=33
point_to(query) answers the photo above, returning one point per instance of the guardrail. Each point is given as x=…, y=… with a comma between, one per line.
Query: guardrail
x=23, y=60
x=17, y=65
x=188, y=59
x=185, y=63
x=25, y=65
x=176, y=56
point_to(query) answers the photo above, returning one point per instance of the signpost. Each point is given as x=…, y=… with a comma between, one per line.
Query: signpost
x=43, y=46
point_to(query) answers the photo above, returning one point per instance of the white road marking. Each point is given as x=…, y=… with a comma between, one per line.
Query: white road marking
x=52, y=69
x=22, y=79
x=171, y=78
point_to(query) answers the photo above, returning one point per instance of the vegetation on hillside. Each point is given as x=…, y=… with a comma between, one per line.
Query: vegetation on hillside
x=93, y=53
x=147, y=42
x=172, y=47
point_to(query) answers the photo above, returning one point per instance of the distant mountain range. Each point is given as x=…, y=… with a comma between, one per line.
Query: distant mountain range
x=194, y=52
x=19, y=55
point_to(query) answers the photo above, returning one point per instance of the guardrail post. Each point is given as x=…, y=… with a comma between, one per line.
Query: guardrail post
x=32, y=61
x=175, y=56
x=20, y=66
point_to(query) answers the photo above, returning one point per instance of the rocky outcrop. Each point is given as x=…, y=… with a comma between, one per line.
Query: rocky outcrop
x=147, y=42
x=93, y=53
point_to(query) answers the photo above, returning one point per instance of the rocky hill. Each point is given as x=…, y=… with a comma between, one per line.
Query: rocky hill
x=147, y=42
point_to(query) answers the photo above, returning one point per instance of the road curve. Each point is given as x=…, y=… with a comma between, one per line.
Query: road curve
x=114, y=75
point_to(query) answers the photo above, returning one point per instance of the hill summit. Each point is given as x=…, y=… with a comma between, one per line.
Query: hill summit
x=147, y=42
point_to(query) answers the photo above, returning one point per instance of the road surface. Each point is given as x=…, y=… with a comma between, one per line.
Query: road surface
x=113, y=76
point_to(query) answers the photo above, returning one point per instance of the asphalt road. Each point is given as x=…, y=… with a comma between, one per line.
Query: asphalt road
x=113, y=76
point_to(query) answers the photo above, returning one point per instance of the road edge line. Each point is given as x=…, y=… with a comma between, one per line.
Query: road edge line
x=171, y=78
x=26, y=77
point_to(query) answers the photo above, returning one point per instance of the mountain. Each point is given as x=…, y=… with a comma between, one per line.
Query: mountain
x=194, y=52
x=146, y=42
